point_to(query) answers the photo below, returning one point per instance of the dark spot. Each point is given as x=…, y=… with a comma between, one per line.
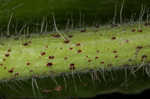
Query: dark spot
x=25, y=44
x=79, y=51
x=7, y=55
x=55, y=35
x=51, y=57
x=70, y=36
x=139, y=47
x=28, y=63
x=96, y=57
x=49, y=64
x=70, y=48
x=66, y=41
x=140, y=30
x=113, y=38
x=1, y=64
x=89, y=60
x=5, y=67
x=78, y=44
x=11, y=70
x=43, y=53
x=58, y=88
x=127, y=41
x=102, y=62
x=143, y=57
x=72, y=66
x=133, y=30
x=114, y=51
x=116, y=56
x=9, y=50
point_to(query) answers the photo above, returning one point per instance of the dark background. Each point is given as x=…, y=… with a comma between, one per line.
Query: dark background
x=143, y=95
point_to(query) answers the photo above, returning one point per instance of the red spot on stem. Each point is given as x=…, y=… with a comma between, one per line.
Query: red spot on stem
x=51, y=57
x=78, y=44
x=139, y=47
x=70, y=48
x=116, y=56
x=113, y=38
x=9, y=50
x=72, y=66
x=127, y=41
x=56, y=35
x=66, y=41
x=96, y=57
x=79, y=51
x=114, y=51
x=102, y=62
x=28, y=63
x=133, y=30
x=25, y=44
x=143, y=57
x=43, y=53
x=7, y=55
x=140, y=30
x=70, y=36
x=89, y=60
x=49, y=64
x=11, y=70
